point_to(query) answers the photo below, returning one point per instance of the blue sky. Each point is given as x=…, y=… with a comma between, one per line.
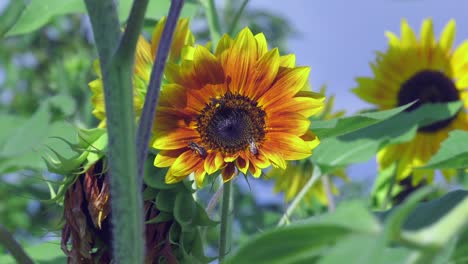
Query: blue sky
x=339, y=37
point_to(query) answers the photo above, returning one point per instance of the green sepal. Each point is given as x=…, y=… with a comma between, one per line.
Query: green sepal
x=154, y=177
x=160, y=218
x=150, y=194
x=165, y=200
x=184, y=208
x=201, y=217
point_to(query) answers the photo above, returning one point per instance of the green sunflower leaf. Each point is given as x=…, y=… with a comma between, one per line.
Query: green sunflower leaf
x=161, y=217
x=165, y=200
x=364, y=248
x=40, y=12
x=453, y=153
x=430, y=224
x=155, y=177
x=184, y=208
x=340, y=126
x=363, y=144
x=305, y=241
x=299, y=243
x=65, y=103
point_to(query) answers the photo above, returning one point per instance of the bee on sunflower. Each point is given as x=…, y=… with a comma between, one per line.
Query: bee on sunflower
x=422, y=69
x=241, y=108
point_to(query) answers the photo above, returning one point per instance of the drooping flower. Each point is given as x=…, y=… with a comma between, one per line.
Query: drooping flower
x=144, y=60
x=293, y=179
x=425, y=69
x=239, y=109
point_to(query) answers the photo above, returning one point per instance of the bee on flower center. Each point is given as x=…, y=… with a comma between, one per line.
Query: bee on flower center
x=201, y=151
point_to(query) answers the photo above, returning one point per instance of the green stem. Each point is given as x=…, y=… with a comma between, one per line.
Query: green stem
x=315, y=176
x=388, y=195
x=213, y=20
x=117, y=59
x=235, y=21
x=127, y=44
x=326, y=185
x=15, y=249
x=152, y=94
x=224, y=226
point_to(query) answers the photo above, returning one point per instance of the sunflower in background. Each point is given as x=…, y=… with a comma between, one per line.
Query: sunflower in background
x=144, y=60
x=297, y=173
x=421, y=69
x=240, y=109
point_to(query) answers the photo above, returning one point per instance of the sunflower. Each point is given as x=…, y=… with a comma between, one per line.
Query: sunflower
x=239, y=109
x=427, y=70
x=144, y=60
x=298, y=173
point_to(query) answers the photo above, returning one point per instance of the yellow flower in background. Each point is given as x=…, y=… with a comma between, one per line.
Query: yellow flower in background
x=298, y=173
x=425, y=69
x=144, y=60
x=239, y=109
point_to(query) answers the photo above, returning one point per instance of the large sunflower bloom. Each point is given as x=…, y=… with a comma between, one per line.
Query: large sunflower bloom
x=239, y=109
x=144, y=60
x=423, y=69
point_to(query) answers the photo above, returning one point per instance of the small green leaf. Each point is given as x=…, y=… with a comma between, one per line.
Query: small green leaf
x=149, y=194
x=161, y=217
x=165, y=200
x=155, y=177
x=174, y=233
x=202, y=218
x=184, y=210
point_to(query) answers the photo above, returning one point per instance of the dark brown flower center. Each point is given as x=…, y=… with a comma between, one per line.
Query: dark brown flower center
x=231, y=123
x=428, y=86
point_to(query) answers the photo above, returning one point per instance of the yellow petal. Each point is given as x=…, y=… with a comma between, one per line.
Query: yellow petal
x=229, y=172
x=288, y=61
x=262, y=46
x=210, y=164
x=240, y=59
x=224, y=43
x=288, y=82
x=427, y=34
x=186, y=163
x=290, y=122
x=266, y=69
x=393, y=40
x=447, y=36
x=207, y=67
x=408, y=38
